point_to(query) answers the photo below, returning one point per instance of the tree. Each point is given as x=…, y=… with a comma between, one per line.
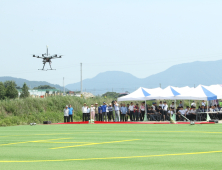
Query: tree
x=111, y=94
x=44, y=87
x=2, y=91
x=25, y=91
x=7, y=83
x=11, y=91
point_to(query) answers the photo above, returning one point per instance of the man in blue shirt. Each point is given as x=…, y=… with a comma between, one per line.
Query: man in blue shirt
x=104, y=111
x=100, y=113
x=123, y=112
x=71, y=113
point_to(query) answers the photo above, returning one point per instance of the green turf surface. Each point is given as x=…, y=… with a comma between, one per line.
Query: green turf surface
x=111, y=146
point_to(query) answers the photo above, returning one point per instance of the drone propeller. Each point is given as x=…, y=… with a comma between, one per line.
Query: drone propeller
x=35, y=56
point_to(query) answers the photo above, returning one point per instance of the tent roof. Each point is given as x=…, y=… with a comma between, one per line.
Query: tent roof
x=140, y=94
x=175, y=93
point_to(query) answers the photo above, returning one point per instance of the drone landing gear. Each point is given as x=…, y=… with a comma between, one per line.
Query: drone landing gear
x=43, y=66
x=50, y=69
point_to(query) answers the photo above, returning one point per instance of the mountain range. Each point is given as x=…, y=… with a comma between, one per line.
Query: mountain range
x=31, y=84
x=186, y=74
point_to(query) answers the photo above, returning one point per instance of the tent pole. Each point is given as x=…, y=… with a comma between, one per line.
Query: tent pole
x=145, y=117
x=174, y=114
x=207, y=106
x=175, y=105
x=208, y=117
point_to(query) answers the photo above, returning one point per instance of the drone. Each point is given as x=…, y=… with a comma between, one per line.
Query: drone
x=47, y=58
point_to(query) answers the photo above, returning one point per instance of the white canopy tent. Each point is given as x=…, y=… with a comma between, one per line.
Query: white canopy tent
x=140, y=94
x=170, y=93
x=199, y=93
x=215, y=89
x=175, y=93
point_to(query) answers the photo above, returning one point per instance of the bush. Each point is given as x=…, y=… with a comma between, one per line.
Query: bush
x=28, y=110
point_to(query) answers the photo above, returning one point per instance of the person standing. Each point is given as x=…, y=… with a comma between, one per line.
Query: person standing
x=123, y=112
x=66, y=114
x=96, y=112
x=100, y=113
x=136, y=112
x=142, y=111
x=104, y=112
x=107, y=112
x=154, y=106
x=116, y=106
x=88, y=114
x=110, y=116
x=92, y=112
x=71, y=113
x=181, y=104
x=128, y=112
x=84, y=112
x=203, y=103
x=161, y=104
x=165, y=108
x=131, y=109
x=172, y=105
x=193, y=104
x=161, y=113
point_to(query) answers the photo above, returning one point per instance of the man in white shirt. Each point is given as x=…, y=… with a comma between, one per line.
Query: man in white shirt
x=170, y=112
x=117, y=115
x=154, y=106
x=187, y=112
x=192, y=113
x=172, y=105
x=165, y=108
x=211, y=109
x=161, y=104
x=193, y=104
x=66, y=114
x=131, y=109
x=203, y=103
x=181, y=112
x=88, y=114
x=84, y=112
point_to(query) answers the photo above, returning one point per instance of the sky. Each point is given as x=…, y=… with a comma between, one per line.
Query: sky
x=141, y=37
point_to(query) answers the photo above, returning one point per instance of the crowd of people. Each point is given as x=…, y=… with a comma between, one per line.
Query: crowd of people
x=155, y=112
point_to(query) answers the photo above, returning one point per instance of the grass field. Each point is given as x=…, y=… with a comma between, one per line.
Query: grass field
x=111, y=146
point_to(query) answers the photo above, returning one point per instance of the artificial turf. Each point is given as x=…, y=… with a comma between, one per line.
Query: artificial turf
x=111, y=146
